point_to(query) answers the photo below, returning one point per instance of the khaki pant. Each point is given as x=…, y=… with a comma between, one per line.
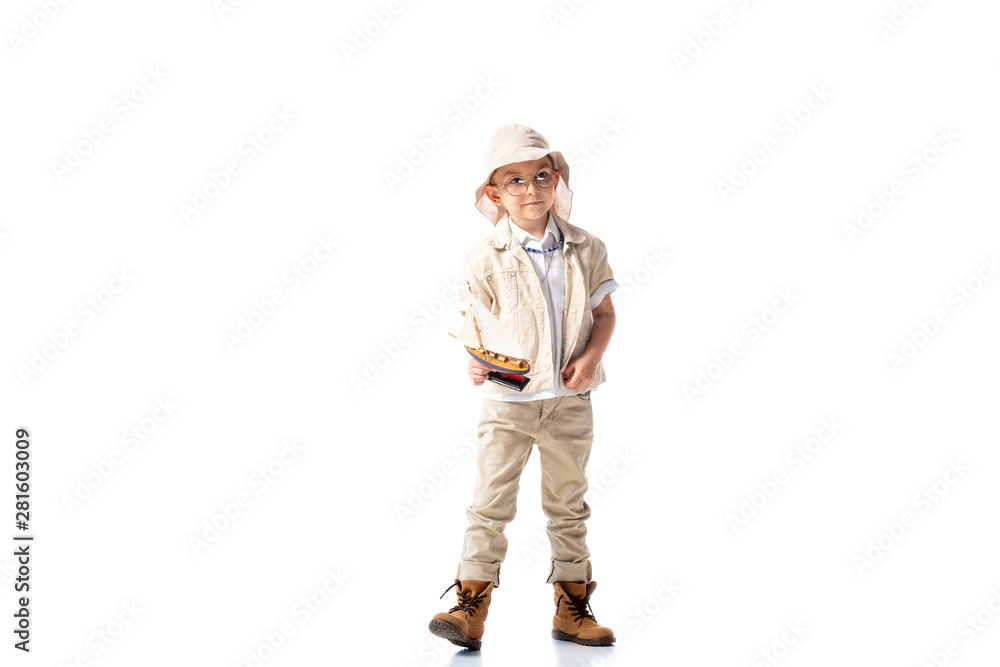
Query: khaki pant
x=563, y=429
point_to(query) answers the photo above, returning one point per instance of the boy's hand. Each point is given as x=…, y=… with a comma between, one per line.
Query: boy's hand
x=580, y=373
x=478, y=371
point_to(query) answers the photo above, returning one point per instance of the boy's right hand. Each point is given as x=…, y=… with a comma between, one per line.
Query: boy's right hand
x=478, y=371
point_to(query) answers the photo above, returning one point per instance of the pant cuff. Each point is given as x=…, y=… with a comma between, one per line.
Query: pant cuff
x=563, y=571
x=479, y=572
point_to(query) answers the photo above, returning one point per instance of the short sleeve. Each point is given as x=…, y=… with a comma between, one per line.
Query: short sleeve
x=602, y=291
x=602, y=281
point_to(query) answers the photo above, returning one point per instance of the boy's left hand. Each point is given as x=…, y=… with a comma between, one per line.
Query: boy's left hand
x=579, y=374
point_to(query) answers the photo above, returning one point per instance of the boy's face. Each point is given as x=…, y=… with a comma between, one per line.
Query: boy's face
x=536, y=201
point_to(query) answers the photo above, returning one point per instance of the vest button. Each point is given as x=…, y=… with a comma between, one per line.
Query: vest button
x=489, y=277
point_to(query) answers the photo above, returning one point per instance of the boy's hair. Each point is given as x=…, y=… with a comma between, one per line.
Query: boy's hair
x=503, y=209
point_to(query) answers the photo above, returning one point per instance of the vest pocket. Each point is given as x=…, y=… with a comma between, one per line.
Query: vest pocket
x=502, y=286
x=491, y=287
x=508, y=284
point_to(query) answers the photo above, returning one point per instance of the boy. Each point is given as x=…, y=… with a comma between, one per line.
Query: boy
x=549, y=284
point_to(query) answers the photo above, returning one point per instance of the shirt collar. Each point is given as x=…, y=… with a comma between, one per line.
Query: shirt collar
x=524, y=238
x=503, y=237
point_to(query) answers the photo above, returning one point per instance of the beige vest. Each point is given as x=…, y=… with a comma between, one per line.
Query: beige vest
x=502, y=277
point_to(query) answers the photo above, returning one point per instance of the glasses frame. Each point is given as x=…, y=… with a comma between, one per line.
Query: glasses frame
x=554, y=171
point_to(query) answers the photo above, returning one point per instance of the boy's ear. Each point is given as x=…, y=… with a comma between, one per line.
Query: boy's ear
x=491, y=192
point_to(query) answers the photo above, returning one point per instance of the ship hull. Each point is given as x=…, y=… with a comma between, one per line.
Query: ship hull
x=508, y=367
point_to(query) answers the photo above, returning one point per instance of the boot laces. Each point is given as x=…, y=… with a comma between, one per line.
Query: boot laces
x=580, y=607
x=468, y=603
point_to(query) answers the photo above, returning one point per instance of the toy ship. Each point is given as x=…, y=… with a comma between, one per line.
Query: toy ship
x=500, y=350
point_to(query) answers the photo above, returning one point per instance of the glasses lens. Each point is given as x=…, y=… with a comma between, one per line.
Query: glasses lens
x=517, y=186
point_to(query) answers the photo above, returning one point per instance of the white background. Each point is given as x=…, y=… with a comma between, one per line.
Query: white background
x=649, y=139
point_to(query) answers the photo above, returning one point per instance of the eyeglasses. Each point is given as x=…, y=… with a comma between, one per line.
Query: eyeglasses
x=517, y=186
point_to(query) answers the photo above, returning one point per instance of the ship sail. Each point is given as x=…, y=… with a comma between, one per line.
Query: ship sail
x=493, y=345
x=468, y=332
x=496, y=338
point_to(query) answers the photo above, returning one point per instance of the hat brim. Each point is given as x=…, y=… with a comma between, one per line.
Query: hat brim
x=564, y=196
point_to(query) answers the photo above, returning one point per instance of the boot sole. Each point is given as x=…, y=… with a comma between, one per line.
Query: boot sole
x=448, y=631
x=597, y=641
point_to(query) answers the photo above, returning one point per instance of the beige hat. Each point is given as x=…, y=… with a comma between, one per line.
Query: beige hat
x=520, y=143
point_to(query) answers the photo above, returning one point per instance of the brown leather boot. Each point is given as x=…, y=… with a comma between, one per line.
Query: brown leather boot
x=463, y=624
x=574, y=621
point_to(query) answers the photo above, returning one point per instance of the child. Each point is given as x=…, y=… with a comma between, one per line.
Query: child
x=549, y=284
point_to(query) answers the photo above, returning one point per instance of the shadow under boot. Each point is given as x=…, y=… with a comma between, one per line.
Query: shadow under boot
x=574, y=621
x=463, y=624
